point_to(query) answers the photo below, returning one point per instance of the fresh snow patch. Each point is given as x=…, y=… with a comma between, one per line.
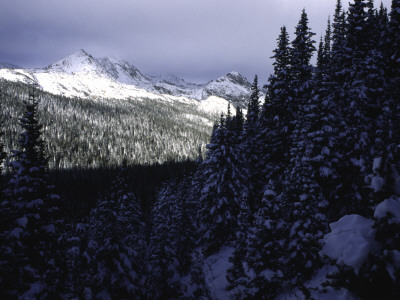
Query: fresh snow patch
x=215, y=268
x=214, y=104
x=22, y=221
x=17, y=75
x=325, y=171
x=80, y=227
x=377, y=183
x=268, y=192
x=377, y=164
x=389, y=206
x=16, y=232
x=357, y=162
x=350, y=241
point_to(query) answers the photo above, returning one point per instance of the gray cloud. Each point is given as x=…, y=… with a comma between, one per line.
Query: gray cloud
x=197, y=40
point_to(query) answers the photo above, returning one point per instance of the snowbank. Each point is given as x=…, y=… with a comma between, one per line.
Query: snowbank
x=350, y=241
x=215, y=268
x=389, y=207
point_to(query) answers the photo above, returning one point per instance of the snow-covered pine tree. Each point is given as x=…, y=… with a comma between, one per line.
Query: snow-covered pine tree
x=253, y=107
x=116, y=243
x=274, y=121
x=320, y=61
x=237, y=276
x=75, y=260
x=31, y=223
x=266, y=236
x=251, y=148
x=386, y=120
x=376, y=86
x=393, y=74
x=323, y=117
x=303, y=203
x=225, y=185
x=301, y=70
x=338, y=46
x=352, y=93
x=328, y=45
x=164, y=264
x=2, y=153
x=188, y=224
x=266, y=248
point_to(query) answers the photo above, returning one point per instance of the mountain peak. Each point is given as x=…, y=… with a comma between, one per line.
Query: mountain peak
x=83, y=52
x=78, y=62
x=234, y=74
x=235, y=78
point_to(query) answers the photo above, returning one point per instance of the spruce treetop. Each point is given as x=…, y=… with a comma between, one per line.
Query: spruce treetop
x=302, y=50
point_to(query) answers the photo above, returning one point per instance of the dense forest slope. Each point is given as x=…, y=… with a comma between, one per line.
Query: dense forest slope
x=104, y=132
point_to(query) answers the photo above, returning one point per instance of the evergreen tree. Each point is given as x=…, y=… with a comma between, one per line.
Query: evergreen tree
x=320, y=60
x=31, y=223
x=274, y=122
x=2, y=153
x=324, y=56
x=252, y=154
x=338, y=44
x=116, y=243
x=237, y=277
x=253, y=108
x=225, y=186
x=166, y=244
x=75, y=260
x=301, y=69
x=393, y=54
x=302, y=197
x=328, y=43
x=306, y=208
x=266, y=248
x=363, y=84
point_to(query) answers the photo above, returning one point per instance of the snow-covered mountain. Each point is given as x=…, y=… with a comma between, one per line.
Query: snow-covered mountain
x=82, y=75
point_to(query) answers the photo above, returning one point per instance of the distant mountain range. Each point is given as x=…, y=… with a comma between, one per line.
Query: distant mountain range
x=82, y=75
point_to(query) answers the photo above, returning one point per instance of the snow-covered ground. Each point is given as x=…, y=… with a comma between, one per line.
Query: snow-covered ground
x=317, y=292
x=215, y=267
x=351, y=240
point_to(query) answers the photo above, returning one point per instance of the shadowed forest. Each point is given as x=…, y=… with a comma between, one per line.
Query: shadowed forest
x=297, y=199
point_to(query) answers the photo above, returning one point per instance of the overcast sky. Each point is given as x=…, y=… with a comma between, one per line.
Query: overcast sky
x=198, y=40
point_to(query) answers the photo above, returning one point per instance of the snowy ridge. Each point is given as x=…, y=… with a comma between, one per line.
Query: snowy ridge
x=82, y=75
x=4, y=65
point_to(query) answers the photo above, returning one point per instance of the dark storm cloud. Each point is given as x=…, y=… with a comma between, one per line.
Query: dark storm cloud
x=195, y=39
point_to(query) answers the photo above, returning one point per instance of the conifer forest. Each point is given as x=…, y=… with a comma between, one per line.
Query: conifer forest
x=297, y=197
